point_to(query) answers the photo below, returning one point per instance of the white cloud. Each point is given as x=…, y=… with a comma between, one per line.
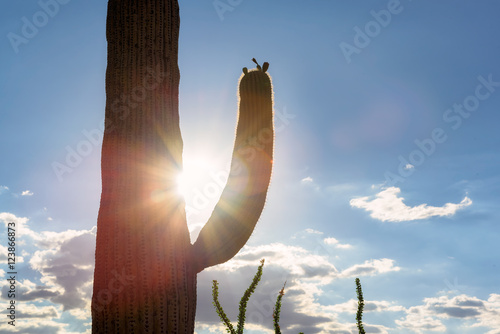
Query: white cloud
x=3, y=189
x=387, y=206
x=3, y=253
x=409, y=166
x=296, y=261
x=335, y=243
x=29, y=291
x=66, y=264
x=418, y=320
x=215, y=328
x=67, y=283
x=312, y=231
x=473, y=311
x=490, y=316
x=64, y=259
x=309, y=182
x=351, y=306
x=308, y=274
x=307, y=179
x=22, y=230
x=370, y=268
x=27, y=193
x=39, y=320
x=305, y=274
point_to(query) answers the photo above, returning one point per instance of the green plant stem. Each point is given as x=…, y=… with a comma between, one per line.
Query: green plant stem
x=246, y=296
x=361, y=305
x=218, y=308
x=277, y=310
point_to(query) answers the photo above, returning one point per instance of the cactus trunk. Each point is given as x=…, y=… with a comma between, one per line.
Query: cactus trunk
x=146, y=267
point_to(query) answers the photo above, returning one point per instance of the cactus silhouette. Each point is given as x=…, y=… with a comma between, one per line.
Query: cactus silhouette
x=146, y=266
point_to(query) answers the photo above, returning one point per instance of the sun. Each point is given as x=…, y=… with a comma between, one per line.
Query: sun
x=182, y=184
x=202, y=178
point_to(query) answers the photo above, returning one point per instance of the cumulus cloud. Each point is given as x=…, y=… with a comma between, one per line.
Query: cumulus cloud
x=31, y=311
x=22, y=230
x=3, y=253
x=293, y=259
x=28, y=291
x=307, y=273
x=430, y=315
x=65, y=262
x=27, y=193
x=351, y=306
x=490, y=315
x=387, y=206
x=38, y=319
x=39, y=325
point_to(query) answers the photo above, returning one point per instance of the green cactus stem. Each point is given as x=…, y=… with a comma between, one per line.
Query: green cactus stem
x=145, y=264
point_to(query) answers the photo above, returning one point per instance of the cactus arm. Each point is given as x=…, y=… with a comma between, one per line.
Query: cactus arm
x=242, y=200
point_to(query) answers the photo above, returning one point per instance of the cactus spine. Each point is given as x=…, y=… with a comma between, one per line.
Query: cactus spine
x=146, y=267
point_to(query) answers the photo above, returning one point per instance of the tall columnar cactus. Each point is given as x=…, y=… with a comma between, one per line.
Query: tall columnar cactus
x=146, y=266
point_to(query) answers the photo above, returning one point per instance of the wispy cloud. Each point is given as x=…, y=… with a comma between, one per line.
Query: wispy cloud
x=307, y=180
x=387, y=206
x=3, y=189
x=370, y=268
x=313, y=231
x=27, y=193
x=335, y=243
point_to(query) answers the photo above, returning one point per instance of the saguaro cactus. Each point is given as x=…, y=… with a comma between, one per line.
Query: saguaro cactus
x=146, y=266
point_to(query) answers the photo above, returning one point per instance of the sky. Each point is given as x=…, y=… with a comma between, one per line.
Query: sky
x=386, y=160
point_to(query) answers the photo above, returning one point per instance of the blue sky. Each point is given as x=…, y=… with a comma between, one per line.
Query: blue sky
x=386, y=159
